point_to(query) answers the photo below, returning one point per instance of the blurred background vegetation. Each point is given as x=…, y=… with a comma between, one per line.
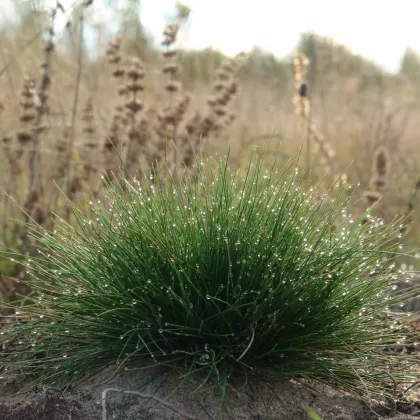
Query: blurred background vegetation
x=356, y=105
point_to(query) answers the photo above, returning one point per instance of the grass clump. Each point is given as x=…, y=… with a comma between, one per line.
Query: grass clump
x=222, y=274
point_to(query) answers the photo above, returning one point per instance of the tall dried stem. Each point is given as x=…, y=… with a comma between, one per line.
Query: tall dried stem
x=32, y=207
x=68, y=168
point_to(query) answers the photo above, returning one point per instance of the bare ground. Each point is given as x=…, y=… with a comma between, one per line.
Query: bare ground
x=99, y=399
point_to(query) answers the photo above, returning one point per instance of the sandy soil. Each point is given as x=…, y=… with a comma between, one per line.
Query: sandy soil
x=99, y=399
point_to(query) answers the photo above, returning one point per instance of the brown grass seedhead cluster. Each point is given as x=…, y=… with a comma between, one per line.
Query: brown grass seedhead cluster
x=301, y=100
x=140, y=133
x=145, y=135
x=320, y=146
x=380, y=174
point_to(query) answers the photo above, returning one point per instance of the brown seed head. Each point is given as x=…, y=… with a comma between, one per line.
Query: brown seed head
x=222, y=74
x=113, y=58
x=27, y=102
x=88, y=110
x=134, y=86
x=381, y=162
x=116, y=42
x=170, y=33
x=194, y=123
x=49, y=46
x=171, y=68
x=220, y=110
x=372, y=196
x=379, y=182
x=218, y=85
x=118, y=73
x=122, y=90
x=171, y=29
x=228, y=68
x=26, y=117
x=75, y=185
x=88, y=117
x=32, y=197
x=233, y=88
x=134, y=105
x=300, y=66
x=135, y=69
x=183, y=102
x=169, y=53
x=113, y=55
x=223, y=99
x=39, y=214
x=212, y=100
x=172, y=86
x=61, y=146
x=24, y=137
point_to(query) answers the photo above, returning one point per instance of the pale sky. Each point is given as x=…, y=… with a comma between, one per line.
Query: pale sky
x=378, y=30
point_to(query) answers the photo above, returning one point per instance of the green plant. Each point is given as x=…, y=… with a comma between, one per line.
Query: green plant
x=312, y=414
x=224, y=273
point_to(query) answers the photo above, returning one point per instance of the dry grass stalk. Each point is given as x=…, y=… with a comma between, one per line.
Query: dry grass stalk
x=114, y=57
x=126, y=136
x=171, y=115
x=302, y=106
x=300, y=99
x=380, y=174
x=72, y=181
x=90, y=145
x=113, y=144
x=33, y=206
x=115, y=140
x=219, y=117
x=133, y=105
x=87, y=169
x=14, y=150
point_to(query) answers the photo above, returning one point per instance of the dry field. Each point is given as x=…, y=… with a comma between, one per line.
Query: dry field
x=67, y=121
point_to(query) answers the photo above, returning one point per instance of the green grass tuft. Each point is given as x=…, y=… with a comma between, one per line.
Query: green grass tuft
x=223, y=273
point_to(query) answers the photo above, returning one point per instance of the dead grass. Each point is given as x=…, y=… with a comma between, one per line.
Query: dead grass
x=68, y=121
